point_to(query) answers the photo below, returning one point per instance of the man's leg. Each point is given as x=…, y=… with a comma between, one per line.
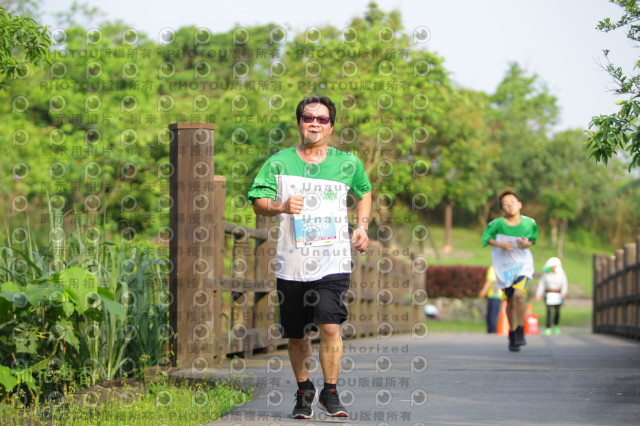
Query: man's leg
x=511, y=313
x=330, y=351
x=300, y=357
x=519, y=306
x=296, y=320
x=329, y=313
x=330, y=357
x=516, y=312
x=519, y=311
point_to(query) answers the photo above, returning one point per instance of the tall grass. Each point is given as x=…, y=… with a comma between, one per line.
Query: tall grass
x=82, y=310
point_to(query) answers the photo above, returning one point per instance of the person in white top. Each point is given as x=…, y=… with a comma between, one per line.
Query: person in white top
x=553, y=286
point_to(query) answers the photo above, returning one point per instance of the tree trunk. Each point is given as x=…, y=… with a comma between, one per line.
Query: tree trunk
x=483, y=215
x=448, y=219
x=563, y=234
x=554, y=231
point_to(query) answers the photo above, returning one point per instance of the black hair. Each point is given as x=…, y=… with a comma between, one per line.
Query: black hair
x=316, y=99
x=504, y=193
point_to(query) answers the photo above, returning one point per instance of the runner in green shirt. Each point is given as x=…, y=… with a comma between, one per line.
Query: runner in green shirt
x=307, y=188
x=511, y=236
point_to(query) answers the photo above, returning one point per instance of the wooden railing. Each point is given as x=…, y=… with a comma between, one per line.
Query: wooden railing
x=616, y=292
x=220, y=309
x=249, y=293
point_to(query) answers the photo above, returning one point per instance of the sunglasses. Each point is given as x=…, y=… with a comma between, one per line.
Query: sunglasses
x=321, y=120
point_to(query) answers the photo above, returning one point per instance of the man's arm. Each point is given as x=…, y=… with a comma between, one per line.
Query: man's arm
x=363, y=211
x=268, y=207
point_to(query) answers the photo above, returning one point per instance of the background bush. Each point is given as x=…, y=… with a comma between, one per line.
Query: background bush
x=455, y=281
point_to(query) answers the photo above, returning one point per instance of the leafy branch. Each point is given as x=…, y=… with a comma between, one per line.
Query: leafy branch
x=22, y=40
x=609, y=135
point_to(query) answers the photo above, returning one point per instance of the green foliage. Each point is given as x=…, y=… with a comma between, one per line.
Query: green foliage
x=22, y=41
x=617, y=134
x=182, y=403
x=87, y=313
x=392, y=96
x=97, y=119
x=523, y=113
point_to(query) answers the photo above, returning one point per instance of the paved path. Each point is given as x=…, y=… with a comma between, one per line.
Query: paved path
x=462, y=379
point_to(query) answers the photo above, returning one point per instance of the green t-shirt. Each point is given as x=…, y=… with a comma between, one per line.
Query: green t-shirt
x=314, y=243
x=519, y=262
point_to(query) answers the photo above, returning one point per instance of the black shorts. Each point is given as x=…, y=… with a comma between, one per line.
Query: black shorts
x=520, y=283
x=304, y=304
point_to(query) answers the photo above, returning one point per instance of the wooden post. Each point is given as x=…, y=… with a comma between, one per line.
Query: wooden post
x=619, y=294
x=636, y=288
x=371, y=279
x=629, y=307
x=220, y=189
x=191, y=218
x=600, y=270
x=384, y=270
x=241, y=304
x=354, y=299
x=610, y=293
x=264, y=306
x=368, y=287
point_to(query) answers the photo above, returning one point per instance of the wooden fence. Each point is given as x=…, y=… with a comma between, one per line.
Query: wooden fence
x=616, y=292
x=232, y=308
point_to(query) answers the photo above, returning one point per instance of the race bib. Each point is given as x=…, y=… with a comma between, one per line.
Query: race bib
x=553, y=298
x=313, y=230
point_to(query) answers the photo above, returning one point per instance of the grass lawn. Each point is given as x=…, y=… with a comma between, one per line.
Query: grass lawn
x=576, y=317
x=165, y=403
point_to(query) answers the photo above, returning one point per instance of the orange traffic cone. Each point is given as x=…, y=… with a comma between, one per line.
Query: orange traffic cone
x=503, y=321
x=531, y=324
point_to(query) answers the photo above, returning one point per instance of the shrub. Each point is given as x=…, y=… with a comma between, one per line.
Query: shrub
x=83, y=310
x=455, y=281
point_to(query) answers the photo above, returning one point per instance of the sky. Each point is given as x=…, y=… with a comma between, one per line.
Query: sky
x=554, y=39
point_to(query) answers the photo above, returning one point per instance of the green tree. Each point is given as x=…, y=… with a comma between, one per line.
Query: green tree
x=618, y=133
x=523, y=111
x=22, y=41
x=390, y=92
x=460, y=155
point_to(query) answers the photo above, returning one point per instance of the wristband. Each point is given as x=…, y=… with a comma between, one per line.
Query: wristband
x=363, y=227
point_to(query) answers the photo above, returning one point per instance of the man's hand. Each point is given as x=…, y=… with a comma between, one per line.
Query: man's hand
x=360, y=239
x=507, y=246
x=524, y=242
x=293, y=205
